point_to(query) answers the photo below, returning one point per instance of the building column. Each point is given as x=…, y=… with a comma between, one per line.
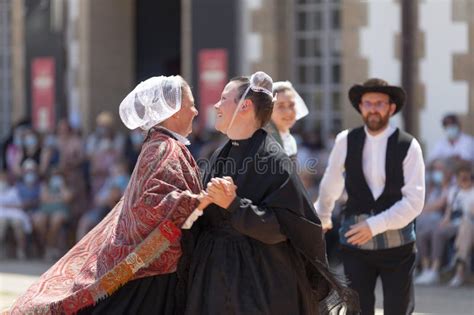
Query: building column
x=463, y=67
x=355, y=67
x=107, y=56
x=18, y=60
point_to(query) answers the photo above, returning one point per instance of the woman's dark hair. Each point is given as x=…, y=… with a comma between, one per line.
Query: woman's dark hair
x=262, y=101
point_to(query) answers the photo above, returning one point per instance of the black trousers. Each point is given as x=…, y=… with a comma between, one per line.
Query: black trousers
x=395, y=267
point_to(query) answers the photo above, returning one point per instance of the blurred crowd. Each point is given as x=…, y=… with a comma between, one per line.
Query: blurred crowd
x=56, y=186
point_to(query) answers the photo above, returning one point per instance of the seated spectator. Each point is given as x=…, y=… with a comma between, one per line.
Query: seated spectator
x=71, y=163
x=100, y=163
x=12, y=214
x=31, y=148
x=53, y=213
x=115, y=184
x=28, y=187
x=465, y=239
x=49, y=153
x=105, y=129
x=455, y=144
x=437, y=186
x=448, y=228
x=14, y=151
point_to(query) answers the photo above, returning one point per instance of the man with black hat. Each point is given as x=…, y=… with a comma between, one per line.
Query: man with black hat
x=382, y=170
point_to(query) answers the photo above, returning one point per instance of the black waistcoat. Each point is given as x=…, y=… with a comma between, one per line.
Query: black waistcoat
x=361, y=200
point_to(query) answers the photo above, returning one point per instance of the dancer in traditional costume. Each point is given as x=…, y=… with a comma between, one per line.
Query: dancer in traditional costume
x=127, y=263
x=288, y=108
x=259, y=249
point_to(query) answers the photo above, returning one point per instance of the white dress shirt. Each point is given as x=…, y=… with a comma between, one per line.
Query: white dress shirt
x=373, y=164
x=463, y=147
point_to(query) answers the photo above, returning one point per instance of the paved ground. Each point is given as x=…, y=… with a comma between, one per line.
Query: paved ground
x=15, y=277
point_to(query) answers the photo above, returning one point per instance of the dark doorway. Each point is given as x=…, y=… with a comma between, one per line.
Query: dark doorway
x=158, y=27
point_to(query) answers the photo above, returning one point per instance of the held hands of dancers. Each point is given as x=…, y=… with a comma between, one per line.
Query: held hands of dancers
x=359, y=233
x=204, y=200
x=222, y=191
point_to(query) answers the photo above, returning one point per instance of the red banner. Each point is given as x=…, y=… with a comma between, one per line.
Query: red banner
x=213, y=76
x=43, y=92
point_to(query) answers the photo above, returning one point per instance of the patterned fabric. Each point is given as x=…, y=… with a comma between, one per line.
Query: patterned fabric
x=138, y=238
x=387, y=239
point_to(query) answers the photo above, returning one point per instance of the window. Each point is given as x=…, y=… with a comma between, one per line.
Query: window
x=317, y=69
x=315, y=47
x=302, y=47
x=302, y=74
x=336, y=73
x=302, y=21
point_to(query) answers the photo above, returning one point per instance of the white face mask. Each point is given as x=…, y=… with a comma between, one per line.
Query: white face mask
x=437, y=177
x=56, y=182
x=105, y=145
x=30, y=178
x=31, y=141
x=452, y=131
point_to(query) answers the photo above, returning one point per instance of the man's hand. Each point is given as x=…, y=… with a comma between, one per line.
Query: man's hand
x=359, y=234
x=222, y=191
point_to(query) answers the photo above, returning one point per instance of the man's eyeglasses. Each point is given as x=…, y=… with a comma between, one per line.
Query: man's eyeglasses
x=377, y=105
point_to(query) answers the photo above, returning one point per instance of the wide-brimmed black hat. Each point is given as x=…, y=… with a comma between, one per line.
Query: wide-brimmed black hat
x=397, y=94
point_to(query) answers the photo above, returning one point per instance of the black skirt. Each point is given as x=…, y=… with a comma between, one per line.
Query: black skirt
x=150, y=295
x=233, y=274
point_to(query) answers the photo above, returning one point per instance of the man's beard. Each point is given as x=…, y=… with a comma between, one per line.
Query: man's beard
x=376, y=122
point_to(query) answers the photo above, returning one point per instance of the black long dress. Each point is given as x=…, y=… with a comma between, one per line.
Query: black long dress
x=150, y=295
x=253, y=258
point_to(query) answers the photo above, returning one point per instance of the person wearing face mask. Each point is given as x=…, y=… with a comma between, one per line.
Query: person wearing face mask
x=464, y=242
x=288, y=108
x=27, y=146
x=456, y=144
x=29, y=187
x=12, y=214
x=32, y=148
x=101, y=163
x=105, y=128
x=71, y=163
x=438, y=184
x=12, y=149
x=49, y=153
x=52, y=213
x=458, y=207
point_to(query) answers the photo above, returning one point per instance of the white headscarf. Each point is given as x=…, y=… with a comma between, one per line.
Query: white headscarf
x=300, y=106
x=151, y=102
x=259, y=82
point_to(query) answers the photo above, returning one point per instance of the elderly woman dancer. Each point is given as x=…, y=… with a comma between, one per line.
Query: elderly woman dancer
x=126, y=265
